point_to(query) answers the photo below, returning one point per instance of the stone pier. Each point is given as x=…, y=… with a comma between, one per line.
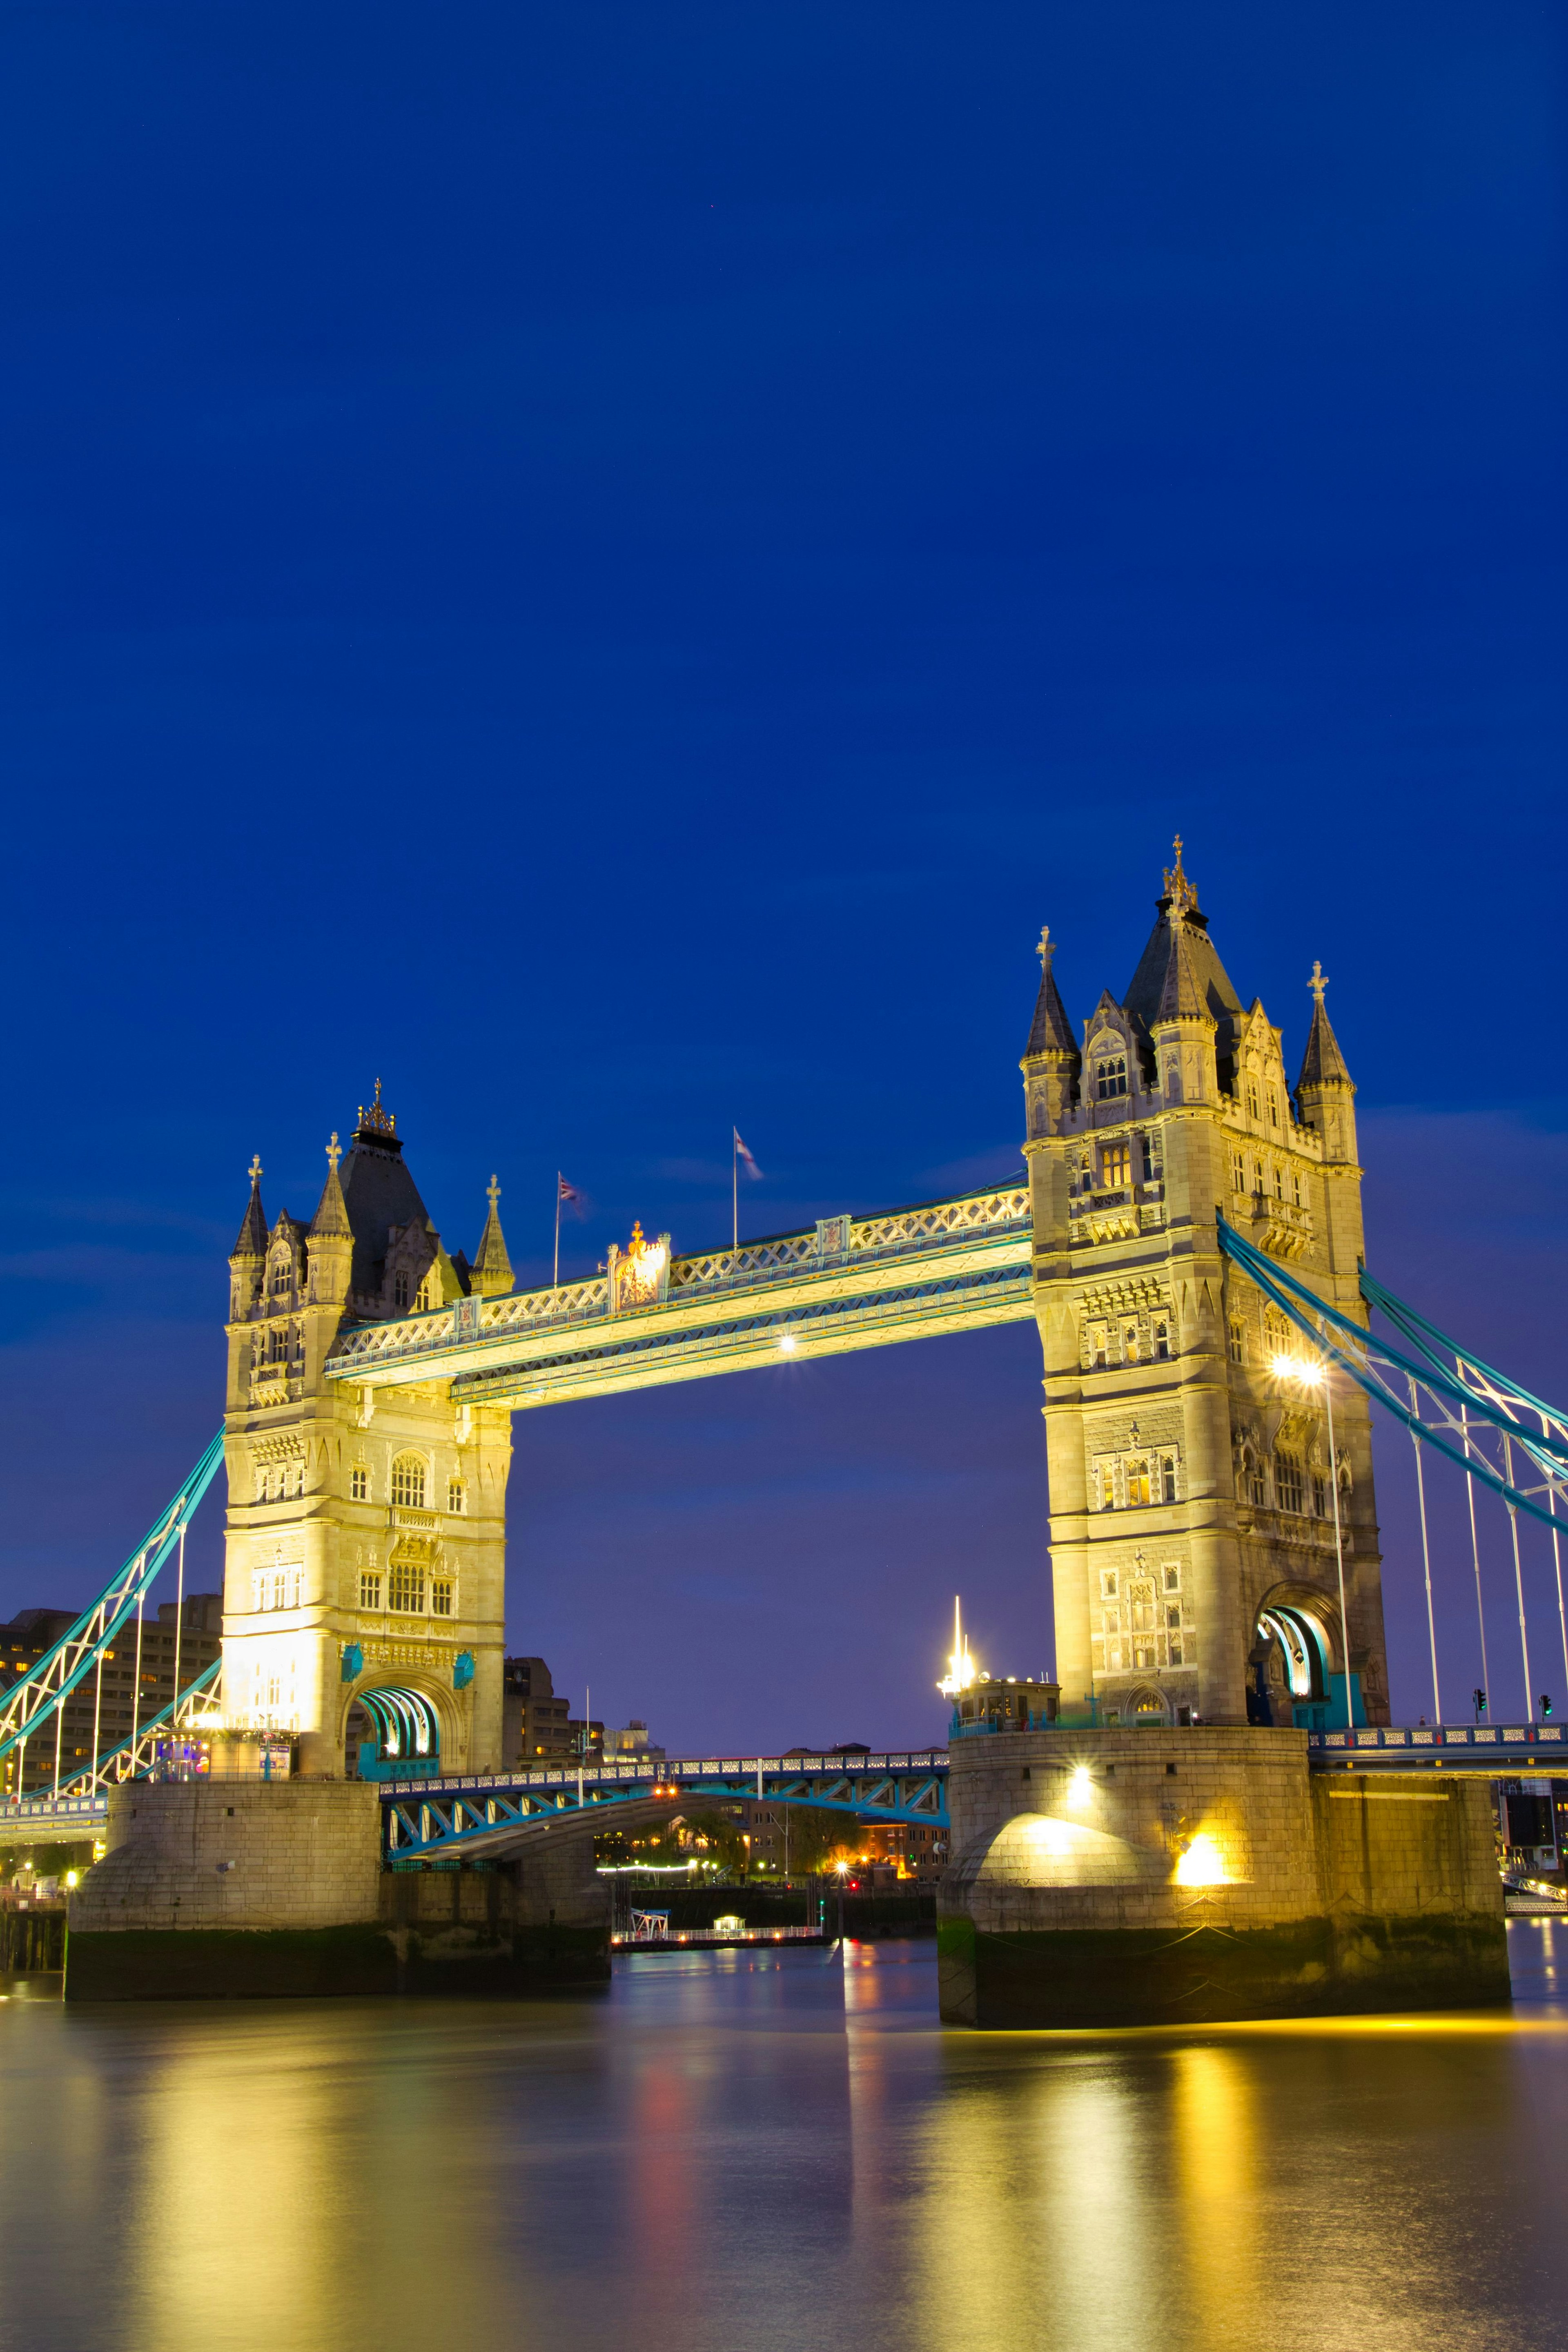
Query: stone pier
x=1146, y=1877
x=255, y=1889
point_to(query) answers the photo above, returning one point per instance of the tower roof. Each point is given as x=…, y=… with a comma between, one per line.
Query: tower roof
x=332, y=1218
x=253, y=1229
x=1051, y=1031
x=378, y=1192
x=491, y=1275
x=1322, y=1064
x=1181, y=993
x=1198, y=970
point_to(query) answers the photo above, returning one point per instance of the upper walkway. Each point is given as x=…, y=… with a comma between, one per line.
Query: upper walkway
x=846, y=1283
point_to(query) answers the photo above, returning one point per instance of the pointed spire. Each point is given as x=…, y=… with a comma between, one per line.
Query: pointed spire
x=1322, y=1064
x=332, y=1217
x=1181, y=993
x=1052, y=1031
x=252, y=1242
x=492, y=1276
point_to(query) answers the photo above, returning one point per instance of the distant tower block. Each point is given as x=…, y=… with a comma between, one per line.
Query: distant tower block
x=1191, y=1514
x=366, y=1532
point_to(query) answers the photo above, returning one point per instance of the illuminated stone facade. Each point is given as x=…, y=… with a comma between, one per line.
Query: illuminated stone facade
x=366, y=1532
x=1192, y=1509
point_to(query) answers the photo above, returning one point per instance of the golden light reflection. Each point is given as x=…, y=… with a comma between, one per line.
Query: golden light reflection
x=1214, y=2133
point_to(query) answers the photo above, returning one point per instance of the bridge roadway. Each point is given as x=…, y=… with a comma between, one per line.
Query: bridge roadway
x=960, y=1265
x=452, y=1814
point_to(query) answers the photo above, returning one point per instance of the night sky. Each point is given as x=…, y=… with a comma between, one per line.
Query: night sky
x=611, y=566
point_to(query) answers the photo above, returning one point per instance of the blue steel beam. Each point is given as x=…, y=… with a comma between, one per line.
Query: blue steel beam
x=426, y=1817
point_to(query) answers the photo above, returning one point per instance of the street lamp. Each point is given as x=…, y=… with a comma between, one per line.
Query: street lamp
x=842, y=1868
x=1316, y=1376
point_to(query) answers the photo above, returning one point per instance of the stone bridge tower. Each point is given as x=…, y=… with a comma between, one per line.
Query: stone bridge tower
x=1191, y=1511
x=366, y=1537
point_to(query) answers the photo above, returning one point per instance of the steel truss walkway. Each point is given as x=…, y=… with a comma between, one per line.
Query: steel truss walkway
x=485, y=1813
x=848, y=1283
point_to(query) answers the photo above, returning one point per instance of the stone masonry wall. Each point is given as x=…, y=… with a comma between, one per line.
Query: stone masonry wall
x=235, y=1853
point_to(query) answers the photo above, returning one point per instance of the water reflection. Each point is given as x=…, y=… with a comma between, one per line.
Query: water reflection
x=768, y=2151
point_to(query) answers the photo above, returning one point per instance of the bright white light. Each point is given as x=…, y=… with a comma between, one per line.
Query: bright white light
x=1080, y=1786
x=787, y=1344
x=1202, y=1864
x=1291, y=1367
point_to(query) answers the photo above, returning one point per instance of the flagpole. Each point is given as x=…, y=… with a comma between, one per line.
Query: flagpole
x=555, y=1281
x=735, y=1185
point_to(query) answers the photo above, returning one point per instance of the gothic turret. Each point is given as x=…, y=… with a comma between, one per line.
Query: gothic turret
x=1052, y=1062
x=1324, y=1090
x=331, y=1245
x=248, y=1256
x=492, y=1275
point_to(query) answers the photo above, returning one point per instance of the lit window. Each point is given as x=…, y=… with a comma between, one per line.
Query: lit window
x=1107, y=1483
x=1115, y=1167
x=1098, y=1346
x=1130, y=1344
x=1111, y=1076
x=1138, y=1481
x=358, y=1483
x=406, y=1587
x=370, y=1588
x=409, y=1483
x=455, y=1498
x=1288, y=1484
x=441, y=1596
x=400, y=1290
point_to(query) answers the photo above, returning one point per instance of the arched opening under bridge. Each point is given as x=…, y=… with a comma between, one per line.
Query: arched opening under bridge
x=391, y=1734
x=1292, y=1663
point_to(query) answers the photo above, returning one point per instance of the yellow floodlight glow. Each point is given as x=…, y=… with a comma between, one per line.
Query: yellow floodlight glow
x=1202, y=1864
x=963, y=1673
x=1080, y=1787
x=1293, y=1367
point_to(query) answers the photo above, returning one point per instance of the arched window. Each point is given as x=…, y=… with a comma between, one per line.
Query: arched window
x=424, y=1297
x=1167, y=1477
x=1130, y=1344
x=456, y=1500
x=282, y=1278
x=1115, y=1167
x=1161, y=1342
x=400, y=1290
x=1138, y=1487
x=1239, y=1172
x=1251, y=1098
x=1238, y=1340
x=408, y=1482
x=1279, y=1182
x=358, y=1483
x=1110, y=1075
x=1297, y=1191
x=1273, y=1107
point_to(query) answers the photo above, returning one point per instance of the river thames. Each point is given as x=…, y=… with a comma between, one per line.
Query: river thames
x=739, y=2149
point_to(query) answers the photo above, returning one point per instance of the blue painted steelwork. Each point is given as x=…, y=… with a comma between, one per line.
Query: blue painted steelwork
x=1472, y=1404
x=134, y=1759
x=1491, y=1751
x=32, y=1700
x=409, y=1736
x=481, y=1811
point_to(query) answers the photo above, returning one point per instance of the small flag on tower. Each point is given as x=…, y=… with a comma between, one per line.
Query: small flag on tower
x=743, y=1156
x=567, y=1191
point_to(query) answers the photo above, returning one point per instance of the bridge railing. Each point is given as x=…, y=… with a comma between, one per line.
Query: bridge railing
x=1533, y=1747
x=660, y=1769
x=833, y=1242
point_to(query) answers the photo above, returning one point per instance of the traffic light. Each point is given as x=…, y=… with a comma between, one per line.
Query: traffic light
x=1545, y=1704
x=1480, y=1697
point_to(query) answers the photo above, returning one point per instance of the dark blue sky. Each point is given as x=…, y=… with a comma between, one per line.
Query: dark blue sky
x=613, y=564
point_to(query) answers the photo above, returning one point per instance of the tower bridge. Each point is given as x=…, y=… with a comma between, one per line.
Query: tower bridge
x=1186, y=1236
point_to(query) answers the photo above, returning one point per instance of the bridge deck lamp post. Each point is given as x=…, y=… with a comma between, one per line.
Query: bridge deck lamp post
x=1316, y=1376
